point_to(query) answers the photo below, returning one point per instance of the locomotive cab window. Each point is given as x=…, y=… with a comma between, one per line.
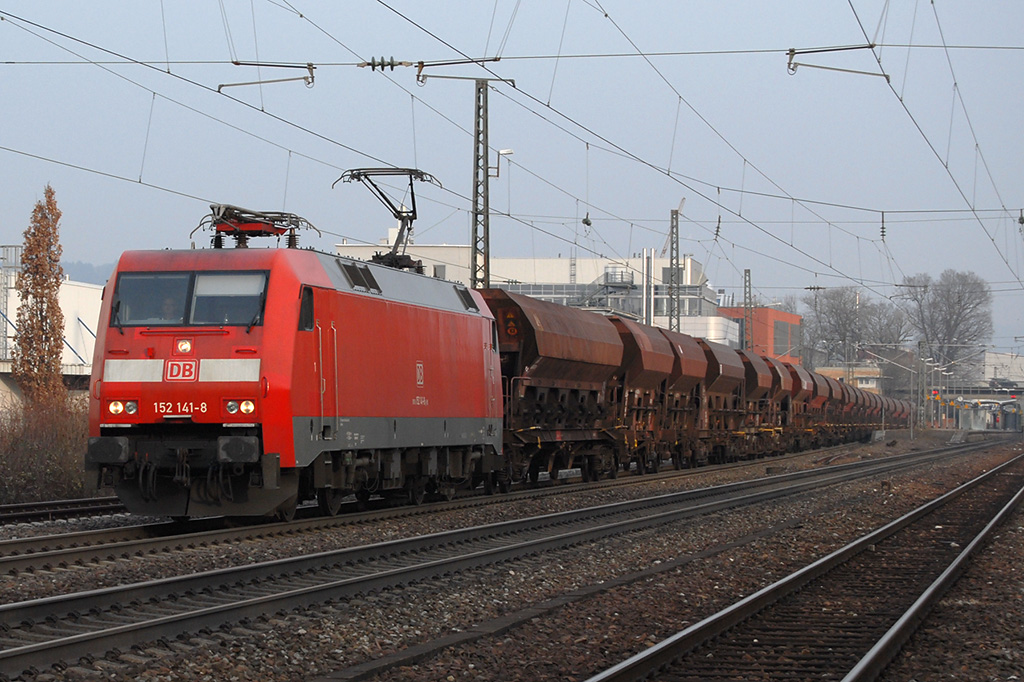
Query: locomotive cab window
x=188, y=299
x=229, y=298
x=150, y=299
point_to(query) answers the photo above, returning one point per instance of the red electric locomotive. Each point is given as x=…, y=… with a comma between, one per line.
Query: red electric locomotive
x=243, y=381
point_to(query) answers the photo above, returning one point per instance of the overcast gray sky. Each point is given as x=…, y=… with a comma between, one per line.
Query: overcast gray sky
x=620, y=110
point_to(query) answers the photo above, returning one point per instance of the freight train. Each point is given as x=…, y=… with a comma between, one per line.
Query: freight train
x=246, y=381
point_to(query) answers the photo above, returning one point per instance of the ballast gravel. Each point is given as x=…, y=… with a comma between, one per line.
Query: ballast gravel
x=690, y=570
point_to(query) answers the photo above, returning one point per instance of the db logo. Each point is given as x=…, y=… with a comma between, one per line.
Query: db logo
x=181, y=370
x=419, y=373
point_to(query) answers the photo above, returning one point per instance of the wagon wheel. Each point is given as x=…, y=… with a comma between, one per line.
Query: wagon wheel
x=329, y=501
x=589, y=469
x=534, y=471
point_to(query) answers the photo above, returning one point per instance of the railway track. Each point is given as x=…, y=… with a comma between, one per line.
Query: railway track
x=91, y=623
x=846, y=616
x=59, y=509
x=79, y=549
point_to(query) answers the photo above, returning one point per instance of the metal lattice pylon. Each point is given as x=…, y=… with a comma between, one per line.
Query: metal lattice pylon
x=480, y=268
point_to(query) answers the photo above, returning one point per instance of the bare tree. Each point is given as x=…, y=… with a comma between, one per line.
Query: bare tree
x=40, y=322
x=952, y=317
x=833, y=325
x=887, y=335
x=843, y=326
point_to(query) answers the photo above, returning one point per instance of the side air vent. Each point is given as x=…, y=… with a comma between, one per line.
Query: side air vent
x=360, y=277
x=467, y=298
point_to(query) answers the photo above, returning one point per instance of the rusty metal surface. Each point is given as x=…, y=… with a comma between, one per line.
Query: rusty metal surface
x=836, y=389
x=758, y=376
x=844, y=396
x=725, y=369
x=782, y=380
x=821, y=391
x=690, y=365
x=803, y=384
x=905, y=408
x=850, y=398
x=647, y=355
x=554, y=342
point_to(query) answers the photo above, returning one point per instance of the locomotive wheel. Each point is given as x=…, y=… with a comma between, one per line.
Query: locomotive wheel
x=329, y=501
x=417, y=491
x=286, y=512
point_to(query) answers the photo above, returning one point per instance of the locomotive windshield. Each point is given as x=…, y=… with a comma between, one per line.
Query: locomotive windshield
x=154, y=299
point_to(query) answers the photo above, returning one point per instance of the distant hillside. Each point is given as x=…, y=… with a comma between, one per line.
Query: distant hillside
x=87, y=272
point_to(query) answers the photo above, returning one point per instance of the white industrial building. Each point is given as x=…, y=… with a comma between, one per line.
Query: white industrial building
x=1004, y=368
x=636, y=287
x=80, y=303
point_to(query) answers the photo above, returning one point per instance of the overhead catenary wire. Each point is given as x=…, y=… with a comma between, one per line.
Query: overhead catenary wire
x=607, y=141
x=938, y=156
x=83, y=61
x=519, y=165
x=202, y=86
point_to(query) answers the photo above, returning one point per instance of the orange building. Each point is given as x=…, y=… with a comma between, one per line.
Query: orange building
x=777, y=334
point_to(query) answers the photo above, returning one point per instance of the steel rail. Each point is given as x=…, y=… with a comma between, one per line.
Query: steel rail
x=259, y=588
x=80, y=549
x=885, y=650
x=22, y=512
x=665, y=653
x=349, y=515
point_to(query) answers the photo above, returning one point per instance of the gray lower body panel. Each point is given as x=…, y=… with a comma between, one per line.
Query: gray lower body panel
x=314, y=436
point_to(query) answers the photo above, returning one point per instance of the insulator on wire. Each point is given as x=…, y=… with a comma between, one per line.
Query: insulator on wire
x=390, y=63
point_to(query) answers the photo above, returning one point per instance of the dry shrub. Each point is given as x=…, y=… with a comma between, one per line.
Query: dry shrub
x=42, y=450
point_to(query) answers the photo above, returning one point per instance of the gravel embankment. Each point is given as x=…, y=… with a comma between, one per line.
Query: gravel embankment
x=46, y=583
x=693, y=571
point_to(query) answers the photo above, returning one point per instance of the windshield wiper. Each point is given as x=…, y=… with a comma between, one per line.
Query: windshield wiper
x=259, y=312
x=114, y=321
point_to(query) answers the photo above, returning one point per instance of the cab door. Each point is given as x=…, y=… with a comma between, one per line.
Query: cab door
x=327, y=379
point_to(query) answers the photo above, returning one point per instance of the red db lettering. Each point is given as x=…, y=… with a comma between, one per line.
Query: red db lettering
x=181, y=370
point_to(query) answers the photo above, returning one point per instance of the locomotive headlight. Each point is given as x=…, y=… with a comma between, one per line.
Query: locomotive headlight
x=232, y=406
x=184, y=346
x=116, y=407
x=131, y=407
x=247, y=407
